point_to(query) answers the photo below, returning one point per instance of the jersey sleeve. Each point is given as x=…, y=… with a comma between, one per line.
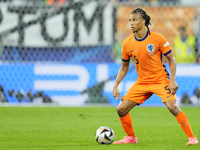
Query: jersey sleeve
x=125, y=56
x=164, y=46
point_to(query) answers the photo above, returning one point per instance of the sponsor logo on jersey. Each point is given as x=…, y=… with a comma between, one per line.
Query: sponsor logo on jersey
x=150, y=48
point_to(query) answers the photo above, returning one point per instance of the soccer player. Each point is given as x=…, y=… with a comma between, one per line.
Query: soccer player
x=145, y=48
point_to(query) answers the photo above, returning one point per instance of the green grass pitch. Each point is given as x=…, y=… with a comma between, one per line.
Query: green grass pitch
x=73, y=128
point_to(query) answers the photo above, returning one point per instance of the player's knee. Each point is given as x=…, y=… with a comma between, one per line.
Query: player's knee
x=121, y=111
x=174, y=109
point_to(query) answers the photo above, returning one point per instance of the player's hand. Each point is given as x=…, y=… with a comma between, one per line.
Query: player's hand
x=116, y=92
x=173, y=86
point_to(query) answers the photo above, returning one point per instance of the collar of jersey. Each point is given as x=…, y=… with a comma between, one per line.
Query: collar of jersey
x=142, y=38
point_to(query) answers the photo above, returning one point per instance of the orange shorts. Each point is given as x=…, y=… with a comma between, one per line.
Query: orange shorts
x=140, y=92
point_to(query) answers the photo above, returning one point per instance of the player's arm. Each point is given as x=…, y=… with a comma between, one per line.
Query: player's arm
x=172, y=67
x=121, y=74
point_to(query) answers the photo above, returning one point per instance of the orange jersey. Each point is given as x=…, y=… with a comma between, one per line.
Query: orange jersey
x=147, y=55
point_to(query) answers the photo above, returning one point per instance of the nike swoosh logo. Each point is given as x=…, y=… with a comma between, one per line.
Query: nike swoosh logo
x=182, y=123
x=169, y=96
x=133, y=50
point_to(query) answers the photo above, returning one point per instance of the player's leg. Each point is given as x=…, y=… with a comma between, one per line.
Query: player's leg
x=124, y=107
x=172, y=107
x=134, y=97
x=169, y=99
x=182, y=120
x=125, y=118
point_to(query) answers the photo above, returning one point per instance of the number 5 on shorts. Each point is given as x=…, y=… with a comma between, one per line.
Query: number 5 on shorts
x=167, y=89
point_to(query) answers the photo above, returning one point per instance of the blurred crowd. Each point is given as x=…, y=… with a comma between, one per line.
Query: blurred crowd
x=185, y=46
x=116, y=2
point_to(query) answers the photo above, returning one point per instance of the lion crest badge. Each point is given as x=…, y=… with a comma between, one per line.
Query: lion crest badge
x=150, y=48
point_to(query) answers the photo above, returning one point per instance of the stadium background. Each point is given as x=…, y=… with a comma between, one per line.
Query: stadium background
x=62, y=53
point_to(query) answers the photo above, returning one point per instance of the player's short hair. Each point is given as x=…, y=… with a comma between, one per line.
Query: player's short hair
x=144, y=15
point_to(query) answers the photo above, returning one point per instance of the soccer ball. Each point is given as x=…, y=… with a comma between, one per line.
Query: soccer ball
x=104, y=135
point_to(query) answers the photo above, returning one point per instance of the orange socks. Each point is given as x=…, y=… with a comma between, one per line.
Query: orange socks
x=127, y=125
x=126, y=122
x=185, y=125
